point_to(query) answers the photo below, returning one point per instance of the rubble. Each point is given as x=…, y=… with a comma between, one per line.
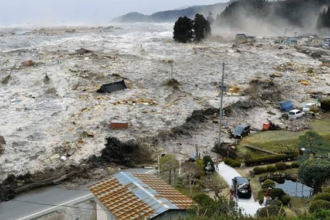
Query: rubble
x=52, y=110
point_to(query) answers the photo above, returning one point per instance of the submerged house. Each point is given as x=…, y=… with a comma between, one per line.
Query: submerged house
x=138, y=196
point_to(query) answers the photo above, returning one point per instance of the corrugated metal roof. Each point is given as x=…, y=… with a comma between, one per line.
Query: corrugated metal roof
x=135, y=196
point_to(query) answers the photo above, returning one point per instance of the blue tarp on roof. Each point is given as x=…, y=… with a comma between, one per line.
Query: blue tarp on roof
x=286, y=106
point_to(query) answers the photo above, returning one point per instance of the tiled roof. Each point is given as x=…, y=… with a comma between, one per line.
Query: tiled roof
x=133, y=196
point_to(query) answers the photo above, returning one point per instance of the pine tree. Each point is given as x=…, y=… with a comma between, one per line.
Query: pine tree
x=183, y=30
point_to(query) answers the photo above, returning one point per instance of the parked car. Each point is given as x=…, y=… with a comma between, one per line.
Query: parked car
x=242, y=187
x=307, y=106
x=295, y=114
x=241, y=131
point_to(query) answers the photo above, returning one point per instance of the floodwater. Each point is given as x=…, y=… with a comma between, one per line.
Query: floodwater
x=295, y=189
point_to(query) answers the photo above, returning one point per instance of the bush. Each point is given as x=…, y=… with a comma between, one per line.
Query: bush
x=277, y=192
x=322, y=196
x=325, y=104
x=271, y=168
x=317, y=205
x=202, y=199
x=327, y=189
x=272, y=210
x=285, y=199
x=270, y=159
x=261, y=195
x=287, y=166
x=206, y=160
x=268, y=183
x=232, y=162
x=295, y=165
x=280, y=166
x=259, y=170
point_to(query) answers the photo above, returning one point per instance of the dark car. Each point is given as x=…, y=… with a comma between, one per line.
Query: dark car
x=242, y=188
x=241, y=131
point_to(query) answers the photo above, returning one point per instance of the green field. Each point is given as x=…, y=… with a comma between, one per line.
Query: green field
x=280, y=141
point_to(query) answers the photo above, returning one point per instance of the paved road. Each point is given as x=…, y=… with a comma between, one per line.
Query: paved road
x=32, y=204
x=248, y=206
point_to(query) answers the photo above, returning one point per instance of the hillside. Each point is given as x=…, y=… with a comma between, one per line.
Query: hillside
x=172, y=15
x=257, y=15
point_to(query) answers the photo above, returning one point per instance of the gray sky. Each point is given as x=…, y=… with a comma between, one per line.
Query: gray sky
x=16, y=12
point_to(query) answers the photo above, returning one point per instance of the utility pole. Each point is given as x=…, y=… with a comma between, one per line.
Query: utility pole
x=221, y=100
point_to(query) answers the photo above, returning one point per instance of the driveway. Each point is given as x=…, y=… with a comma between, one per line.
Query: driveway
x=248, y=206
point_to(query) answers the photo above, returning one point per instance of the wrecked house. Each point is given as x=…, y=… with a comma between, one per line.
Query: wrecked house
x=27, y=63
x=290, y=41
x=286, y=106
x=241, y=39
x=112, y=87
x=83, y=51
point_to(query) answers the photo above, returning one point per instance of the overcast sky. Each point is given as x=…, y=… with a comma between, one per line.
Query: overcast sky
x=15, y=12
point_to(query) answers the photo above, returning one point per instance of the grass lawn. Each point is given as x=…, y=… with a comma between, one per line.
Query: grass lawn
x=280, y=141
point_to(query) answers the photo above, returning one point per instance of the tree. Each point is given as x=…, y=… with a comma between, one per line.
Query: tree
x=207, y=159
x=168, y=166
x=314, y=173
x=183, y=30
x=313, y=143
x=201, y=27
x=191, y=171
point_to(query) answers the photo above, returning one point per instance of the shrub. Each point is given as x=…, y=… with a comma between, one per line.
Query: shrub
x=272, y=210
x=325, y=104
x=277, y=192
x=280, y=166
x=268, y=183
x=270, y=159
x=202, y=199
x=326, y=190
x=261, y=195
x=232, y=162
x=259, y=170
x=318, y=204
x=285, y=199
x=287, y=166
x=322, y=196
x=271, y=168
x=295, y=165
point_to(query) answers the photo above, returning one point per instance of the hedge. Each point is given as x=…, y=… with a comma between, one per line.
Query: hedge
x=272, y=210
x=259, y=170
x=318, y=204
x=277, y=192
x=268, y=183
x=326, y=189
x=295, y=165
x=280, y=166
x=232, y=162
x=285, y=199
x=271, y=168
x=325, y=104
x=270, y=159
x=322, y=196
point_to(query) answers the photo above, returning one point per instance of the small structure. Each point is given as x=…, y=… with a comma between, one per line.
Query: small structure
x=115, y=125
x=241, y=39
x=291, y=41
x=82, y=51
x=138, y=196
x=286, y=106
x=27, y=63
x=250, y=39
x=112, y=87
